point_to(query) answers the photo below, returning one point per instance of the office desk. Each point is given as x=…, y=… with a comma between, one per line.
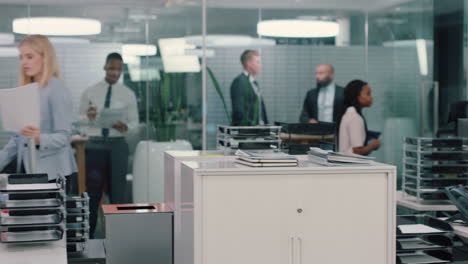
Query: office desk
x=79, y=143
x=411, y=203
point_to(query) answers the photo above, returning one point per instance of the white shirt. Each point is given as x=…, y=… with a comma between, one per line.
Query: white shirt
x=121, y=97
x=325, y=100
x=352, y=131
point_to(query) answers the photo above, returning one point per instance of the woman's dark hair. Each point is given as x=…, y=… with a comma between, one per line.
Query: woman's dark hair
x=352, y=92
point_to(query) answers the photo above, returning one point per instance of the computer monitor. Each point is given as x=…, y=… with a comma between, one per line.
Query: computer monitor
x=462, y=127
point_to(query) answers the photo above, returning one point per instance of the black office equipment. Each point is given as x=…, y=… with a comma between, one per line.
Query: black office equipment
x=298, y=138
x=430, y=242
x=459, y=197
x=231, y=138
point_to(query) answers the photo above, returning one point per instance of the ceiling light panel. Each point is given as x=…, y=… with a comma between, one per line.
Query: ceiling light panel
x=57, y=26
x=295, y=28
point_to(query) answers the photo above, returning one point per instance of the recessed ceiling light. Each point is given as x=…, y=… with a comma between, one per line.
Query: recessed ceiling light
x=57, y=26
x=68, y=40
x=174, y=58
x=295, y=28
x=7, y=39
x=138, y=50
x=229, y=41
x=9, y=52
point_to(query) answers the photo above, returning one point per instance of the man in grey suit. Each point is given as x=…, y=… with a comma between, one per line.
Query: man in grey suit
x=325, y=102
x=248, y=106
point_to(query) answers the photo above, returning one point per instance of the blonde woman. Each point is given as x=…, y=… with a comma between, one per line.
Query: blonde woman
x=52, y=139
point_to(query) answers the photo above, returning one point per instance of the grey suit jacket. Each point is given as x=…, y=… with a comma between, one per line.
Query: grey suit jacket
x=54, y=155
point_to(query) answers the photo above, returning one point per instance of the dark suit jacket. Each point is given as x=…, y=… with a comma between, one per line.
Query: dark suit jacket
x=244, y=99
x=310, y=108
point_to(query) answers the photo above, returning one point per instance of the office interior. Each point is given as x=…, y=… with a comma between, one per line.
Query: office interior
x=413, y=53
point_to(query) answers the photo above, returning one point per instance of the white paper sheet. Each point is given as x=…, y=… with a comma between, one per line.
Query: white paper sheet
x=107, y=116
x=19, y=107
x=417, y=229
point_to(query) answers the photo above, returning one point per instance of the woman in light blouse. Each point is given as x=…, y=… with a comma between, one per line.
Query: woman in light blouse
x=353, y=132
x=52, y=138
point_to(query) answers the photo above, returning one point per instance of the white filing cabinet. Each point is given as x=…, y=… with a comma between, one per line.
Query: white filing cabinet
x=177, y=196
x=299, y=215
x=172, y=165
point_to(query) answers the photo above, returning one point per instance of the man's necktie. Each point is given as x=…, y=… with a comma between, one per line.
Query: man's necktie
x=105, y=131
x=259, y=109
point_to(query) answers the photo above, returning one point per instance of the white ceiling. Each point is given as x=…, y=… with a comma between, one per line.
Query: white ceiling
x=178, y=18
x=312, y=4
x=288, y=4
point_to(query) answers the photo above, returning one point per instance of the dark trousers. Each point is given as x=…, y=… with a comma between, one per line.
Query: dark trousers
x=106, y=170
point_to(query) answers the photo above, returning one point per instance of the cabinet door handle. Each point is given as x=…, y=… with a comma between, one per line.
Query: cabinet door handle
x=299, y=239
x=291, y=250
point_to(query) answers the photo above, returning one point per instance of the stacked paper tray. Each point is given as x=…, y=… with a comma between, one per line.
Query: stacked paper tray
x=424, y=143
x=248, y=137
x=31, y=233
x=31, y=199
x=431, y=164
x=31, y=216
x=27, y=182
x=77, y=223
x=423, y=239
x=32, y=209
x=249, y=131
x=259, y=143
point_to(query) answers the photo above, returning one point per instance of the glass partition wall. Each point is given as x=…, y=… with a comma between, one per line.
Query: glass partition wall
x=400, y=69
x=160, y=69
x=388, y=45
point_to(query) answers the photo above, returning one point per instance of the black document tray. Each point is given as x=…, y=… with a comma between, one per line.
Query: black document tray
x=437, y=155
x=423, y=242
x=27, y=182
x=248, y=130
x=76, y=247
x=31, y=234
x=436, y=142
x=77, y=233
x=39, y=216
x=11, y=200
x=458, y=195
x=426, y=256
x=437, y=195
x=436, y=183
x=427, y=220
x=77, y=218
x=78, y=201
x=429, y=175
x=438, y=168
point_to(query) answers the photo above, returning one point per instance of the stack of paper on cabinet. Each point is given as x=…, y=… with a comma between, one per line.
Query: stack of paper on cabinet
x=331, y=158
x=265, y=159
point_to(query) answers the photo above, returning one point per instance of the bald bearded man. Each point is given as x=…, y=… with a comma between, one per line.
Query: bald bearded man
x=325, y=102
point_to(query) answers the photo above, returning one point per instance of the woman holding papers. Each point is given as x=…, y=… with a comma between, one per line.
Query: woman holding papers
x=353, y=128
x=52, y=138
